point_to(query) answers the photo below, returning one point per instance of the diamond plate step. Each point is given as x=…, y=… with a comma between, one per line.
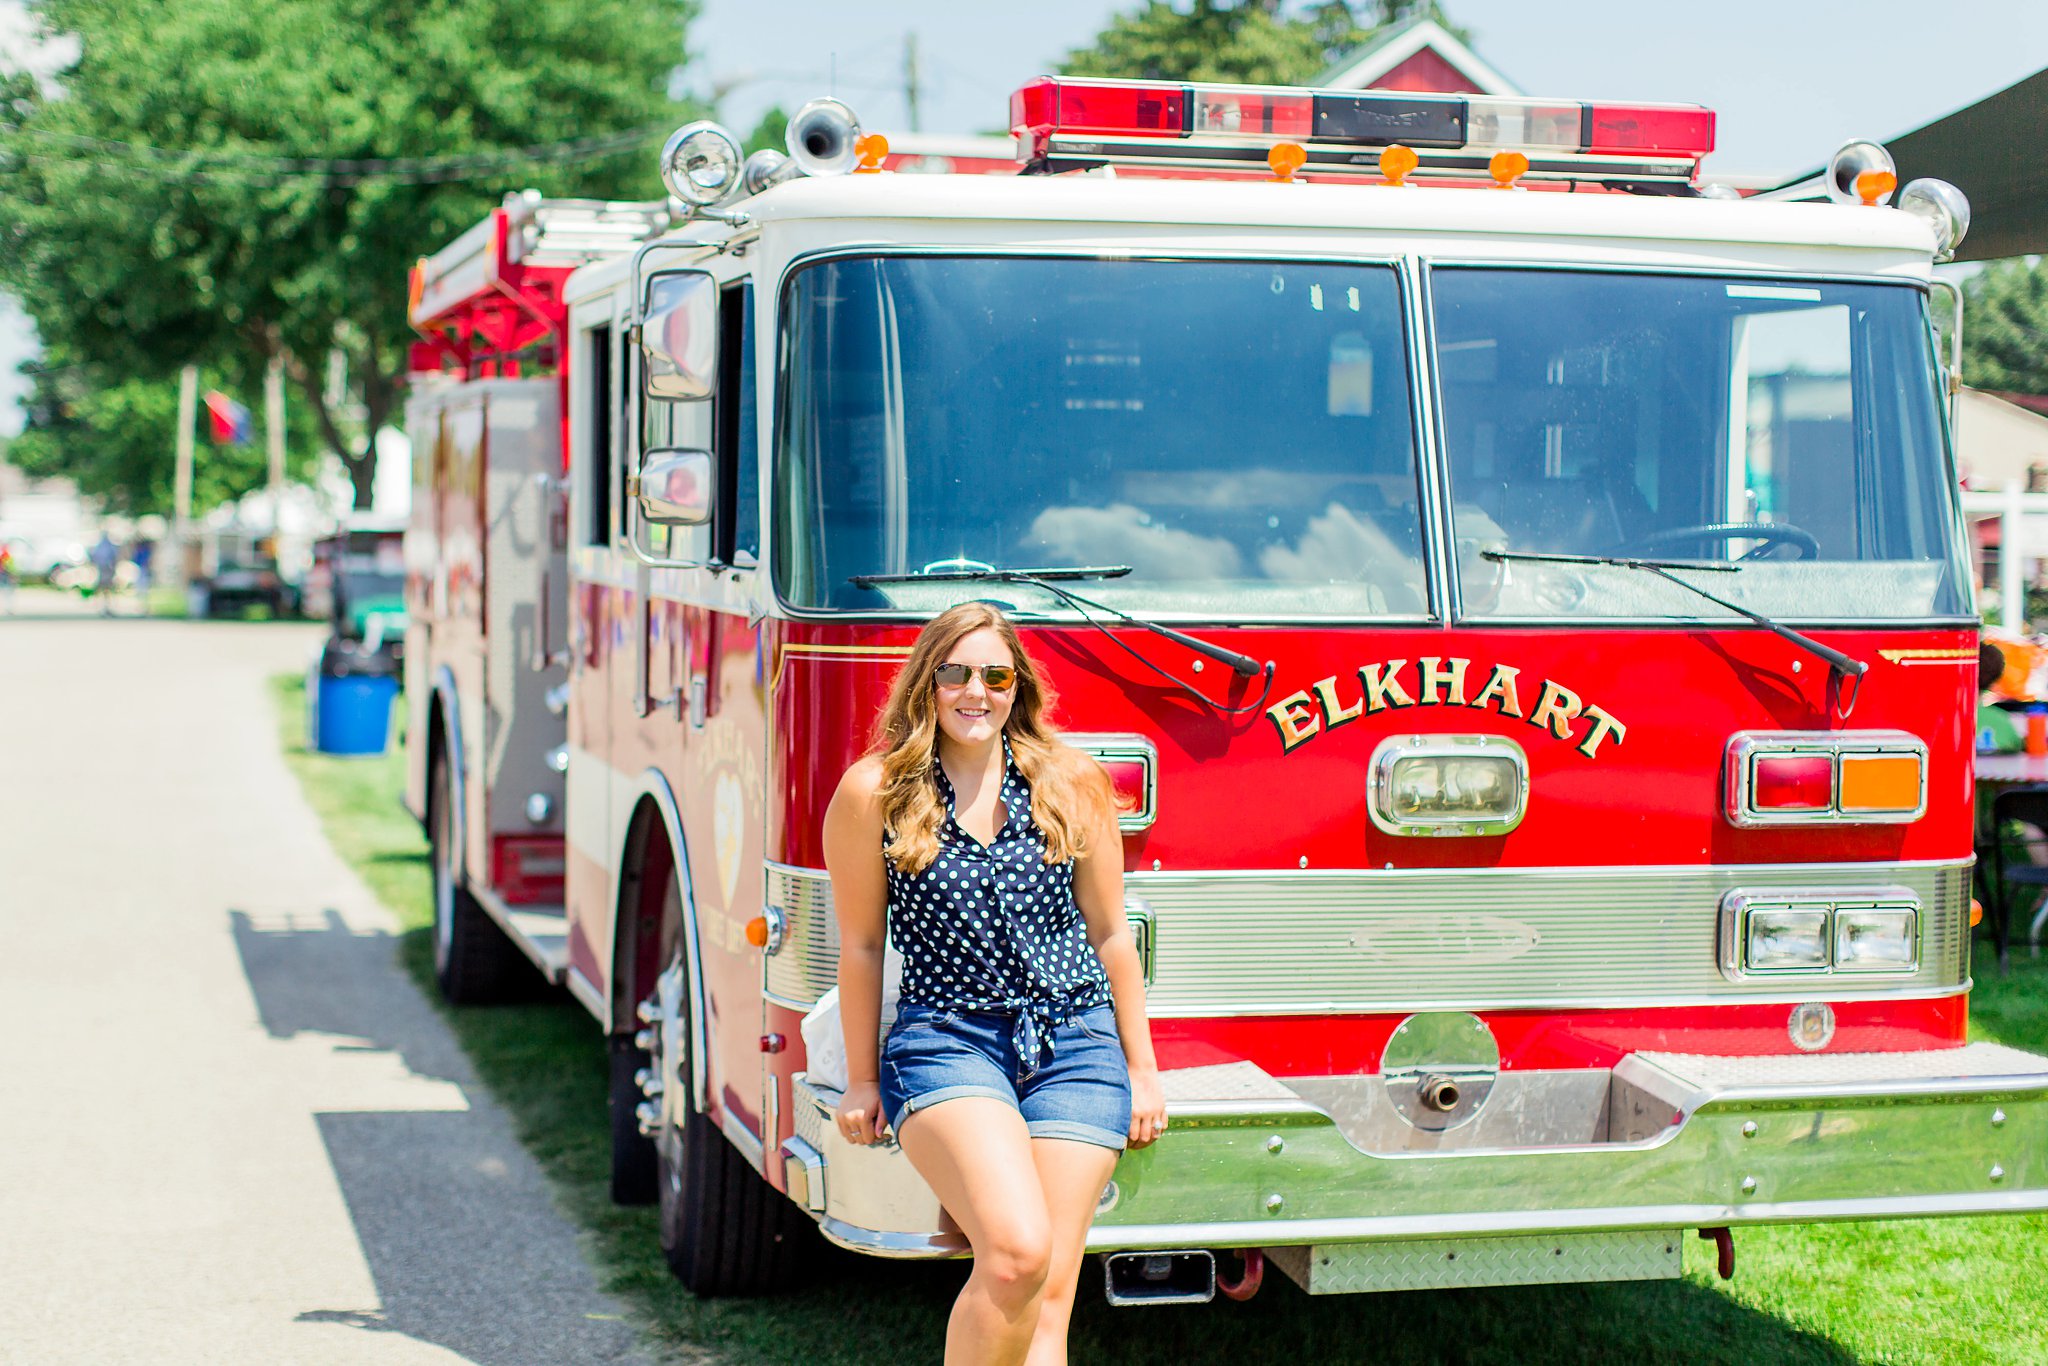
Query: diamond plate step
x=1448, y=1263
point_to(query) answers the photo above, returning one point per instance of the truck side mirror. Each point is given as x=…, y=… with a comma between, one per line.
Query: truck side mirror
x=679, y=336
x=676, y=487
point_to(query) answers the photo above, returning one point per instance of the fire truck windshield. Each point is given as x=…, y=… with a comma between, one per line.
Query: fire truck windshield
x=1789, y=428
x=1239, y=433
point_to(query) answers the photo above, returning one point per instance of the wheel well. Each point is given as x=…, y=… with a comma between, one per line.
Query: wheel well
x=437, y=750
x=643, y=943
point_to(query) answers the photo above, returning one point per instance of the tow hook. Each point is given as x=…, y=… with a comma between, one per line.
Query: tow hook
x=1248, y=1280
x=1724, y=1251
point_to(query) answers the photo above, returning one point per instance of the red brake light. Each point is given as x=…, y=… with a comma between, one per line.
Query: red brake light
x=1143, y=109
x=1672, y=129
x=1128, y=777
x=1793, y=782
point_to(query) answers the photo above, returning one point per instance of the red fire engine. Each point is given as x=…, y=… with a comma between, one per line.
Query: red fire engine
x=1520, y=590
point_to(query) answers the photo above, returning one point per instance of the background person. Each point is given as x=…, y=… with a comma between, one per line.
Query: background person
x=1020, y=1063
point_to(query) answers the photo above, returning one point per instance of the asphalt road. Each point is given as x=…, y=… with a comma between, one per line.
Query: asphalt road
x=231, y=1129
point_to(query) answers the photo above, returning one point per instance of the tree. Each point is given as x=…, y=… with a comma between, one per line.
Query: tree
x=1251, y=42
x=771, y=132
x=194, y=186
x=2005, y=328
x=115, y=437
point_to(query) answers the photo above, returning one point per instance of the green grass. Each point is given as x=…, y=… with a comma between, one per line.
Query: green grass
x=1947, y=1291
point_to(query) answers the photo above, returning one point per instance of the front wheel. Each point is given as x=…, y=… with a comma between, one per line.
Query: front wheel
x=724, y=1230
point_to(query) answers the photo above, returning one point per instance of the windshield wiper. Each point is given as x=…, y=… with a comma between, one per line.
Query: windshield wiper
x=1845, y=665
x=1241, y=664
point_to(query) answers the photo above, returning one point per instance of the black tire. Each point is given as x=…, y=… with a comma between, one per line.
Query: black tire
x=634, y=1169
x=474, y=963
x=724, y=1230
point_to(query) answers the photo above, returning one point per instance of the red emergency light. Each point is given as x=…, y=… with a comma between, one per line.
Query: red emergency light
x=1066, y=123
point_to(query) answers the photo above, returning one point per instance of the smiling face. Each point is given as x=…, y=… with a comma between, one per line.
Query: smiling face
x=973, y=713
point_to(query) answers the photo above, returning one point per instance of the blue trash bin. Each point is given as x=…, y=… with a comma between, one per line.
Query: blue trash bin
x=356, y=689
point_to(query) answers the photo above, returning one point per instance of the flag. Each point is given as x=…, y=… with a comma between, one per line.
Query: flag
x=229, y=419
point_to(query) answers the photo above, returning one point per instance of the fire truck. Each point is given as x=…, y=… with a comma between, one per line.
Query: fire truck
x=1519, y=590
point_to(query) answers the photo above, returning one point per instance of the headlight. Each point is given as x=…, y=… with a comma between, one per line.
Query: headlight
x=1874, y=939
x=700, y=164
x=1787, y=940
x=1448, y=785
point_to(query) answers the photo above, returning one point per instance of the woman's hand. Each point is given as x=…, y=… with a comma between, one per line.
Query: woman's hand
x=860, y=1113
x=1148, y=1107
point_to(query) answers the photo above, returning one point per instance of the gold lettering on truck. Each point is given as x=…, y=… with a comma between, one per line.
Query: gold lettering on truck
x=1438, y=681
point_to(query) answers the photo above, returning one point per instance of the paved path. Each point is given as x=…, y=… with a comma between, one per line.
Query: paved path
x=231, y=1130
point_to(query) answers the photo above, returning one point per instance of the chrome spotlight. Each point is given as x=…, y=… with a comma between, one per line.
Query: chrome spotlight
x=1945, y=208
x=1852, y=161
x=700, y=164
x=766, y=167
x=821, y=138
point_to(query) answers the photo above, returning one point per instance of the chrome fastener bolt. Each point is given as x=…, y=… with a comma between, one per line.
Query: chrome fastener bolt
x=1749, y=1128
x=1274, y=1202
x=1998, y=1173
x=1749, y=1185
x=1275, y=1143
x=1304, y=860
x=1998, y=1119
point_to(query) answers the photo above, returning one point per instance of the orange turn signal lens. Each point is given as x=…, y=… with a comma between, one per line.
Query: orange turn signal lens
x=757, y=931
x=1874, y=187
x=1880, y=783
x=1286, y=158
x=870, y=148
x=1976, y=913
x=1397, y=163
x=1507, y=167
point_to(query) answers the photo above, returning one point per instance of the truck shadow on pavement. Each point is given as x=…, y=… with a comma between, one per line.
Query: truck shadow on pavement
x=456, y=1223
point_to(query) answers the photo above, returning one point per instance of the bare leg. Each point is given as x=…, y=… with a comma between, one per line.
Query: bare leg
x=974, y=1152
x=1072, y=1175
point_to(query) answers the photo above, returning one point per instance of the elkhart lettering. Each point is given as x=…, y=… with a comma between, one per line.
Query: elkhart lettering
x=1434, y=681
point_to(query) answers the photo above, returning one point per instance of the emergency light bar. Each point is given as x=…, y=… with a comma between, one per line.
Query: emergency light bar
x=1067, y=124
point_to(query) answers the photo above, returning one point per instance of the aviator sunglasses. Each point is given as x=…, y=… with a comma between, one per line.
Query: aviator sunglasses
x=994, y=677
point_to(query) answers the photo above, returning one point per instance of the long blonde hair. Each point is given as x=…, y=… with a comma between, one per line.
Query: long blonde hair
x=1063, y=804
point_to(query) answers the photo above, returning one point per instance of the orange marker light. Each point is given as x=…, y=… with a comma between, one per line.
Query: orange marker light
x=1507, y=168
x=1877, y=783
x=1286, y=158
x=1976, y=913
x=757, y=931
x=1397, y=162
x=1874, y=187
x=870, y=148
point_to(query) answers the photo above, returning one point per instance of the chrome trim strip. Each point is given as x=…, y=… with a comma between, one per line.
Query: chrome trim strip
x=1475, y=939
x=896, y=1246
x=745, y=1139
x=1392, y=750
x=585, y=990
x=450, y=698
x=1129, y=748
x=1746, y=747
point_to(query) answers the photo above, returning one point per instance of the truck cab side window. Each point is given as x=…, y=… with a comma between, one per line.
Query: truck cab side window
x=597, y=394
x=738, y=435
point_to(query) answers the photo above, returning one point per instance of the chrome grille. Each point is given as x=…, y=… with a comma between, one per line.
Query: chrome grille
x=1465, y=939
x=807, y=965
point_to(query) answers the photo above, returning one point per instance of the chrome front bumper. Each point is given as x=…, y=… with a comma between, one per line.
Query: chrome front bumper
x=1668, y=1141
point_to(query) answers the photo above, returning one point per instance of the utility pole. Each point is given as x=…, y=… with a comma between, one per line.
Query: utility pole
x=181, y=486
x=273, y=432
x=911, y=89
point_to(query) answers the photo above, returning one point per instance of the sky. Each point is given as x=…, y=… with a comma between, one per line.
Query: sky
x=1790, y=79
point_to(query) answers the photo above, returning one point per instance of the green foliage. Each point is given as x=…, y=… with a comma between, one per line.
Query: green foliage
x=1252, y=41
x=770, y=132
x=140, y=261
x=116, y=438
x=2005, y=328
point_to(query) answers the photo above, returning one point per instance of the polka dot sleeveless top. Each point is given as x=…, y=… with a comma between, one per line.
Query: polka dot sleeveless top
x=995, y=928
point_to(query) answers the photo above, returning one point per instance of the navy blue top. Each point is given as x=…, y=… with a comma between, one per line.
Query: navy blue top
x=996, y=928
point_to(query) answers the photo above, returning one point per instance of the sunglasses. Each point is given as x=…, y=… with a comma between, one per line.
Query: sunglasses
x=994, y=677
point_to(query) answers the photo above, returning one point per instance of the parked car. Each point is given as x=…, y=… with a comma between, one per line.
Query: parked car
x=234, y=588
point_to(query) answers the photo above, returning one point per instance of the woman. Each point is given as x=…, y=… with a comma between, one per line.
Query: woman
x=1021, y=1062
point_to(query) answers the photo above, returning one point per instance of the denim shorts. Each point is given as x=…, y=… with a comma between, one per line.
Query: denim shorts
x=1081, y=1092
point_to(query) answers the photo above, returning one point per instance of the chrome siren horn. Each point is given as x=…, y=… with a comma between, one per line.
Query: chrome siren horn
x=821, y=138
x=1850, y=164
x=766, y=167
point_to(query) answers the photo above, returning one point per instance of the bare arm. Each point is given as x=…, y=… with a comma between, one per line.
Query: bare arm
x=1099, y=890
x=860, y=900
